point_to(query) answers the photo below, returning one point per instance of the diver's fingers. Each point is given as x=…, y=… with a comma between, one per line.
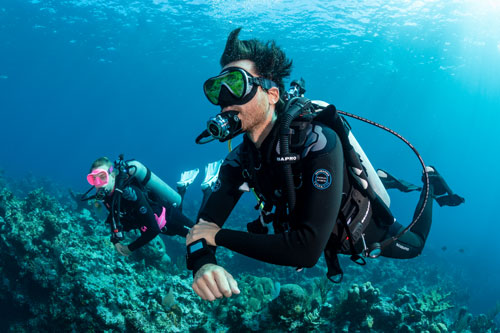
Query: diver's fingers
x=232, y=283
x=195, y=233
x=198, y=291
x=209, y=279
x=119, y=249
x=201, y=288
x=205, y=230
x=222, y=283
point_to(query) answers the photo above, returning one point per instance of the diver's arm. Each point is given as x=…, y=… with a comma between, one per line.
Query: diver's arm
x=220, y=203
x=315, y=215
x=149, y=227
x=177, y=223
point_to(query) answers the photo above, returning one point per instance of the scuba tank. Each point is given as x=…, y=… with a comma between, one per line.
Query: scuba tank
x=164, y=193
x=372, y=177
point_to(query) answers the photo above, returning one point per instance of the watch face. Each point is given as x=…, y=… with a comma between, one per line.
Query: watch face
x=195, y=247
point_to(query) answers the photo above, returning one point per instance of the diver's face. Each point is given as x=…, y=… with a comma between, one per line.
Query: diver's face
x=257, y=110
x=110, y=184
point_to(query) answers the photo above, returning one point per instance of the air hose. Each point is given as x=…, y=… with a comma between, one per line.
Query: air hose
x=294, y=107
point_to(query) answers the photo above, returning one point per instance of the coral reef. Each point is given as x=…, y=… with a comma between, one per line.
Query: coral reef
x=58, y=270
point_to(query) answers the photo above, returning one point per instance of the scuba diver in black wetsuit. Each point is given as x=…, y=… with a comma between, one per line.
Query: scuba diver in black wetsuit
x=313, y=181
x=137, y=199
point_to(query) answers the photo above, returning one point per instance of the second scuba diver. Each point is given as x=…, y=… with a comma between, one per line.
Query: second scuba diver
x=137, y=199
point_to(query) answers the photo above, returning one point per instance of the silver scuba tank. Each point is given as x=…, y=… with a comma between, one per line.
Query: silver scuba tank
x=161, y=189
x=373, y=179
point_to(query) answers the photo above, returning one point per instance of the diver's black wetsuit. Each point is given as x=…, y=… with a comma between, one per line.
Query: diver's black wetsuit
x=138, y=212
x=319, y=177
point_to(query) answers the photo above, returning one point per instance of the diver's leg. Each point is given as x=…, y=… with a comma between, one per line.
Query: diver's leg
x=211, y=176
x=206, y=194
x=412, y=242
x=177, y=223
x=187, y=178
x=182, y=191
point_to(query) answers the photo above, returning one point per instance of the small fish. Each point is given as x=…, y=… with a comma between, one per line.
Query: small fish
x=168, y=301
x=3, y=77
x=461, y=250
x=444, y=248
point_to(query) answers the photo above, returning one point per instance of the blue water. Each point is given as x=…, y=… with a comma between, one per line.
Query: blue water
x=82, y=79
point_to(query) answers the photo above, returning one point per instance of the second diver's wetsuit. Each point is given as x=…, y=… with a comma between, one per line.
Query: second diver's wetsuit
x=137, y=211
x=321, y=183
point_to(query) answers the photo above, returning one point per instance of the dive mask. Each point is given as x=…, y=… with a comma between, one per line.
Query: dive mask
x=99, y=177
x=234, y=86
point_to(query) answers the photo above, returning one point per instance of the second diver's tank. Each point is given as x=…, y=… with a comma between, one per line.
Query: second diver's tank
x=162, y=190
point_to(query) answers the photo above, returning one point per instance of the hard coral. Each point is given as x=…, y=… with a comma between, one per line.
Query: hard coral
x=56, y=274
x=433, y=303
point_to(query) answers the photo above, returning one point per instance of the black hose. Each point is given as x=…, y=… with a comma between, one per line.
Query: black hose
x=120, y=184
x=293, y=108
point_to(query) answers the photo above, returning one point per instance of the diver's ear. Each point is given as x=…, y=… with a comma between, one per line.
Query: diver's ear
x=273, y=95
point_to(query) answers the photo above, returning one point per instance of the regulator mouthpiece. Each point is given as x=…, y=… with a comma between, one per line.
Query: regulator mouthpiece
x=101, y=194
x=224, y=126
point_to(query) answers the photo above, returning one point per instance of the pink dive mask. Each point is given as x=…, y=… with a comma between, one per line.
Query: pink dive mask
x=99, y=177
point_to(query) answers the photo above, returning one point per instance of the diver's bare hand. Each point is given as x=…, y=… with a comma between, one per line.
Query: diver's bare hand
x=122, y=249
x=203, y=229
x=212, y=281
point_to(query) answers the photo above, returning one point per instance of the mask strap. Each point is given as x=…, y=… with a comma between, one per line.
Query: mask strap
x=266, y=84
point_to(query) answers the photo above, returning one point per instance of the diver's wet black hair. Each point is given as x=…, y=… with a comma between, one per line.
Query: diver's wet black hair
x=270, y=60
